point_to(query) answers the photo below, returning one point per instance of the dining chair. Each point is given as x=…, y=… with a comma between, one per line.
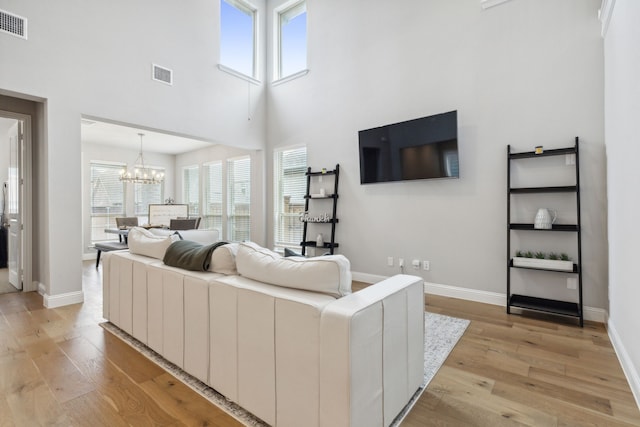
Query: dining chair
x=183, y=224
x=127, y=221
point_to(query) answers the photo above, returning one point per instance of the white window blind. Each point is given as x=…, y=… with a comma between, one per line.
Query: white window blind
x=292, y=40
x=191, y=189
x=145, y=194
x=238, y=36
x=212, y=207
x=107, y=198
x=290, y=187
x=239, y=199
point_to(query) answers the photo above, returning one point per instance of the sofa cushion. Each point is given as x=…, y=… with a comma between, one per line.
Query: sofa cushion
x=329, y=274
x=143, y=242
x=223, y=259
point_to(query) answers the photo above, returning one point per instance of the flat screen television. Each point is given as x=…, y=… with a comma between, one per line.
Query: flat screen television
x=422, y=148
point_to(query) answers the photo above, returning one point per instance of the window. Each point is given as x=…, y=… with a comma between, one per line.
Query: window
x=145, y=194
x=107, y=198
x=191, y=189
x=239, y=199
x=291, y=53
x=238, y=36
x=290, y=187
x=212, y=207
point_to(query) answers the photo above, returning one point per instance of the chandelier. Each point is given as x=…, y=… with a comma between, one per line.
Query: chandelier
x=141, y=174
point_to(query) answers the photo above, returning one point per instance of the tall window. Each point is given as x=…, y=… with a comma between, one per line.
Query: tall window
x=107, y=198
x=212, y=207
x=145, y=194
x=191, y=189
x=291, y=46
x=238, y=36
x=239, y=198
x=290, y=187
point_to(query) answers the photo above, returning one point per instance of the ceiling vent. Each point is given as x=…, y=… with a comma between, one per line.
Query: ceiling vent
x=13, y=24
x=162, y=74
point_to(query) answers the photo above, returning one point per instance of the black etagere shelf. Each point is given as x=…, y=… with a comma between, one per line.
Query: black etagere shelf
x=332, y=221
x=526, y=302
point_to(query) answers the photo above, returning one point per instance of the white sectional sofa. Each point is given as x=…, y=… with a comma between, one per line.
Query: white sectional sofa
x=264, y=339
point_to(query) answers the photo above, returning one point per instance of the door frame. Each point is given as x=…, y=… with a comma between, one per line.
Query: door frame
x=26, y=202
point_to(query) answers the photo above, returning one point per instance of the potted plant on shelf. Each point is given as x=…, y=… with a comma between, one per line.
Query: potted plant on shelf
x=543, y=261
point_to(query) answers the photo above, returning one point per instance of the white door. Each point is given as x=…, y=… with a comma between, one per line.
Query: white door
x=13, y=204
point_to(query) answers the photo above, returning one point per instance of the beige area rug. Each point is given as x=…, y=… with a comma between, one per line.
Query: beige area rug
x=441, y=335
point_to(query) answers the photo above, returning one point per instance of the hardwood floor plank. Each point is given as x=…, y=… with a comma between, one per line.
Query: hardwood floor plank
x=506, y=370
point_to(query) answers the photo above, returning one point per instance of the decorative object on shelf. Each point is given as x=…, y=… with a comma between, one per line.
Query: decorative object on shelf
x=319, y=241
x=539, y=149
x=543, y=219
x=141, y=174
x=305, y=217
x=169, y=201
x=542, y=261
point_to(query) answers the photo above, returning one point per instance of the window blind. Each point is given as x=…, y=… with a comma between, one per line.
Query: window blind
x=191, y=189
x=212, y=207
x=107, y=198
x=145, y=194
x=239, y=198
x=290, y=187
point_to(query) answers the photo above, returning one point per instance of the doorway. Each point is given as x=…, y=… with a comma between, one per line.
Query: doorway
x=11, y=222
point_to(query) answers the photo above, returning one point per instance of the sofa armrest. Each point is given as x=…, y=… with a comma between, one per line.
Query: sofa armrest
x=372, y=353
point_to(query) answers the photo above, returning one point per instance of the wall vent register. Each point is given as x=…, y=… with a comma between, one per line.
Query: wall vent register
x=162, y=74
x=13, y=24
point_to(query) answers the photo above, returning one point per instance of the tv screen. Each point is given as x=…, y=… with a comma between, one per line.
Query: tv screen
x=416, y=149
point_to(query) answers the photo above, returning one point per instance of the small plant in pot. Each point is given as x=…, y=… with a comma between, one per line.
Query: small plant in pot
x=540, y=255
x=540, y=260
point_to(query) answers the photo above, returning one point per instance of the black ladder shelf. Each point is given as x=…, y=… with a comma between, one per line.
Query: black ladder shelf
x=309, y=218
x=526, y=302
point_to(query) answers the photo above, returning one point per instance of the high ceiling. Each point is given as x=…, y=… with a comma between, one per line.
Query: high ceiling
x=98, y=132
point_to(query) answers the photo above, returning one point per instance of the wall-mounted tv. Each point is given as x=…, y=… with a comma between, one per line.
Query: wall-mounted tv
x=416, y=149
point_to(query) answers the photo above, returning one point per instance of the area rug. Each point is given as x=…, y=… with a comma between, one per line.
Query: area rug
x=441, y=335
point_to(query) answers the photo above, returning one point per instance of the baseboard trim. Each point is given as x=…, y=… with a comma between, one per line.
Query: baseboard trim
x=630, y=371
x=60, y=300
x=41, y=289
x=494, y=298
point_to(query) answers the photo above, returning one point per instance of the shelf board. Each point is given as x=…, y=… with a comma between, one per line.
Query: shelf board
x=328, y=196
x=312, y=244
x=555, y=227
x=575, y=268
x=562, y=308
x=545, y=153
x=328, y=172
x=559, y=189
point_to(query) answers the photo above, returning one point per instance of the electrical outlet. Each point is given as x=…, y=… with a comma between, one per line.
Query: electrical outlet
x=426, y=265
x=400, y=262
x=416, y=264
x=572, y=283
x=570, y=159
x=390, y=261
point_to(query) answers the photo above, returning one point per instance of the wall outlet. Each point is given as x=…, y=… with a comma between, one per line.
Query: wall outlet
x=390, y=261
x=426, y=265
x=572, y=283
x=400, y=262
x=416, y=264
x=570, y=159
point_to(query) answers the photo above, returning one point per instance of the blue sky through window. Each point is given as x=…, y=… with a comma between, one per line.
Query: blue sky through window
x=293, y=44
x=236, y=38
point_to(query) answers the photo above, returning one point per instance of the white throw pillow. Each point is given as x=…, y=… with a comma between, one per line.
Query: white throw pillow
x=223, y=259
x=329, y=274
x=143, y=242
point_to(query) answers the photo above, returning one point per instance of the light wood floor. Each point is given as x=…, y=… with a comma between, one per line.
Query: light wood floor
x=58, y=367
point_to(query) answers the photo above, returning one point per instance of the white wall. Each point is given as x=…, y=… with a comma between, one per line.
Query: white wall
x=622, y=109
x=223, y=153
x=94, y=59
x=99, y=152
x=526, y=73
x=5, y=125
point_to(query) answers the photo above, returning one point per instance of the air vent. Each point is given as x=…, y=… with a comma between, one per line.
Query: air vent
x=13, y=24
x=162, y=74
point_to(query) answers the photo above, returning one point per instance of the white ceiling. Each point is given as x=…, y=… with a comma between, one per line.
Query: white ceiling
x=97, y=132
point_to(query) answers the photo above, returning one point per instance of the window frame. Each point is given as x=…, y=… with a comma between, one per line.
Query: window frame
x=230, y=212
x=209, y=220
x=185, y=191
